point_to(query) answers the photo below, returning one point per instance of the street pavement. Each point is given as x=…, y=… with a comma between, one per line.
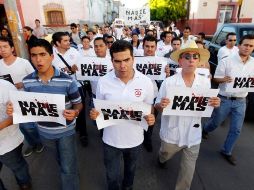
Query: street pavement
x=212, y=171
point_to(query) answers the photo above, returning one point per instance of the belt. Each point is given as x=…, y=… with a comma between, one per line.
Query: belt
x=232, y=98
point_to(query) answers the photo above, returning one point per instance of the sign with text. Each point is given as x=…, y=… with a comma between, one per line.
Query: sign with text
x=92, y=68
x=139, y=16
x=241, y=84
x=117, y=113
x=7, y=77
x=35, y=107
x=152, y=67
x=189, y=101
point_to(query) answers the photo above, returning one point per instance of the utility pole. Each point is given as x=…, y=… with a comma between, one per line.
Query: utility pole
x=15, y=28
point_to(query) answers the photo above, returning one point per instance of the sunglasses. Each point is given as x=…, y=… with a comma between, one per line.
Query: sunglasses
x=188, y=56
x=110, y=42
x=232, y=40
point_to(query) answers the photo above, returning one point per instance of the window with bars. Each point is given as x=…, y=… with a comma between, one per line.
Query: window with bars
x=55, y=17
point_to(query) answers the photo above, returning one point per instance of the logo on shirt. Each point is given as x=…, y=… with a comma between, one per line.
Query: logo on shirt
x=138, y=92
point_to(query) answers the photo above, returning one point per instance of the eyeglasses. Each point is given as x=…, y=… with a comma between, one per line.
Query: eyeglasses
x=188, y=56
x=232, y=40
x=110, y=42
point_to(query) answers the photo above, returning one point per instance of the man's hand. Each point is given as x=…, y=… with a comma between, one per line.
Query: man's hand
x=70, y=114
x=19, y=85
x=9, y=108
x=74, y=68
x=150, y=119
x=167, y=70
x=226, y=79
x=164, y=103
x=93, y=114
x=214, y=102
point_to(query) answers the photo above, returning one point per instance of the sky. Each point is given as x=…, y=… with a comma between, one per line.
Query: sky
x=134, y=3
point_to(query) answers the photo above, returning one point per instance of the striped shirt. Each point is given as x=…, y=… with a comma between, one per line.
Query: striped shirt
x=60, y=83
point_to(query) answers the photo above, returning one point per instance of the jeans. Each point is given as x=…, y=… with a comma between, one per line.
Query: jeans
x=112, y=162
x=66, y=155
x=234, y=108
x=31, y=134
x=15, y=161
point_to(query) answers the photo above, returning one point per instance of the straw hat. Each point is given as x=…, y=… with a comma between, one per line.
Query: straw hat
x=192, y=46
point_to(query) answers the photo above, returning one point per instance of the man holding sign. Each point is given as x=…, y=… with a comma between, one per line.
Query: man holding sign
x=48, y=79
x=182, y=133
x=123, y=84
x=233, y=103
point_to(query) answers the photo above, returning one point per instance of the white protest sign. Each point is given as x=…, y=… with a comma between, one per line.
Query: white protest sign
x=189, y=101
x=92, y=68
x=152, y=67
x=201, y=71
x=117, y=113
x=241, y=84
x=135, y=16
x=36, y=107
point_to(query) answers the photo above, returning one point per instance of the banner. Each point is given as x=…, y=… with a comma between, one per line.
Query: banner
x=241, y=84
x=189, y=101
x=118, y=113
x=34, y=107
x=140, y=16
x=92, y=68
x=7, y=77
x=152, y=67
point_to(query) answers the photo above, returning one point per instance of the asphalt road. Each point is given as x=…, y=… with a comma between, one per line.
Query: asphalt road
x=212, y=171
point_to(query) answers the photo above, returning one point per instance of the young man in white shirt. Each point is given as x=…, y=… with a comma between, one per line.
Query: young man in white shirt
x=182, y=133
x=229, y=48
x=18, y=68
x=11, y=142
x=232, y=104
x=123, y=140
x=39, y=31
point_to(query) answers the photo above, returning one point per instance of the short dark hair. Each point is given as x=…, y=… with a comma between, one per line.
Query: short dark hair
x=246, y=37
x=57, y=36
x=4, y=39
x=230, y=34
x=202, y=34
x=37, y=20
x=28, y=28
x=149, y=31
x=42, y=43
x=176, y=39
x=120, y=46
x=85, y=37
x=100, y=38
x=150, y=39
x=187, y=28
x=73, y=25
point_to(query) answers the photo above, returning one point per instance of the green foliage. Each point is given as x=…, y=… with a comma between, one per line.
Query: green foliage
x=165, y=10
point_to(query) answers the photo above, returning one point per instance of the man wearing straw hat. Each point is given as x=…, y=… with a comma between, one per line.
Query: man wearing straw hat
x=183, y=133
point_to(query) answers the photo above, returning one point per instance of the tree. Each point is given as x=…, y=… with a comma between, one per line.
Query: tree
x=165, y=10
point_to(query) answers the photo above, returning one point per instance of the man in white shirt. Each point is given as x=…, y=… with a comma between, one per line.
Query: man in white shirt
x=123, y=140
x=229, y=48
x=18, y=68
x=11, y=142
x=187, y=37
x=165, y=47
x=39, y=31
x=182, y=133
x=233, y=104
x=86, y=49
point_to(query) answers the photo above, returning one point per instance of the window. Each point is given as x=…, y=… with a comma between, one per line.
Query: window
x=55, y=18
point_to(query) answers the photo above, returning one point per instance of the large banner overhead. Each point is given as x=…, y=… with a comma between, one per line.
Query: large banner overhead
x=139, y=16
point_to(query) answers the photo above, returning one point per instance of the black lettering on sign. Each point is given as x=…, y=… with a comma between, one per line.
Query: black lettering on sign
x=38, y=109
x=149, y=69
x=243, y=82
x=93, y=70
x=121, y=114
x=190, y=103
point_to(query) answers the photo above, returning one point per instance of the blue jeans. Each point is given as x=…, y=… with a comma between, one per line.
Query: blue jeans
x=234, y=108
x=15, y=161
x=31, y=134
x=66, y=155
x=112, y=162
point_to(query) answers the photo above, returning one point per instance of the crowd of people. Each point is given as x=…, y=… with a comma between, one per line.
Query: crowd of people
x=52, y=70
